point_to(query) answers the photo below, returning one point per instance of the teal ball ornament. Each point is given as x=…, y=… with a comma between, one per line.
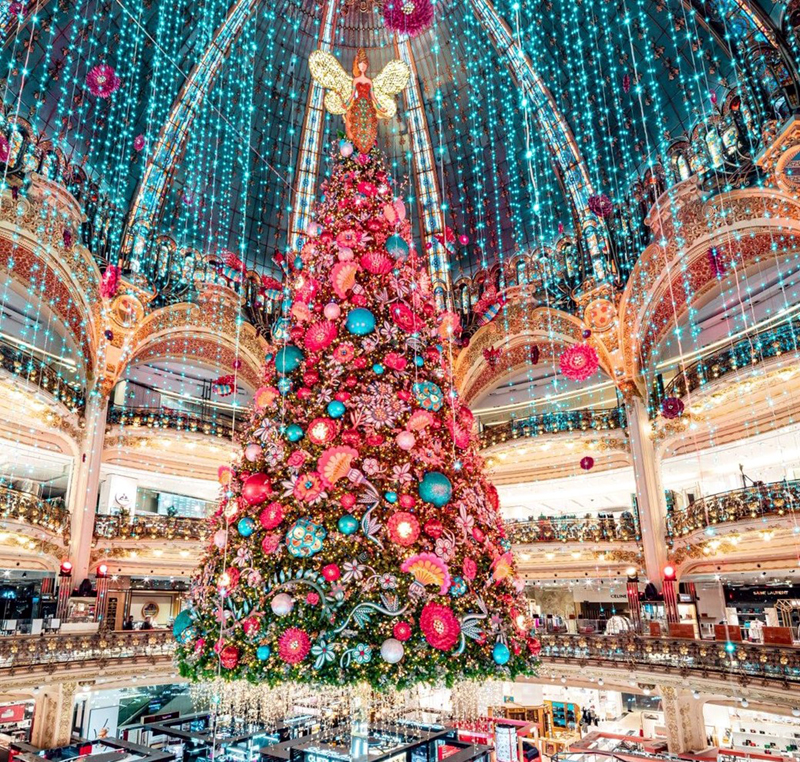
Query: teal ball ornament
x=391, y=497
x=501, y=654
x=298, y=263
x=288, y=359
x=284, y=385
x=294, y=433
x=335, y=409
x=245, y=526
x=396, y=246
x=360, y=321
x=183, y=627
x=347, y=524
x=263, y=653
x=378, y=369
x=419, y=361
x=435, y=488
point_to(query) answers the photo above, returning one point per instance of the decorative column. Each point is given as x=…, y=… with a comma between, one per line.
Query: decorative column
x=52, y=717
x=85, y=484
x=670, y=594
x=649, y=491
x=683, y=716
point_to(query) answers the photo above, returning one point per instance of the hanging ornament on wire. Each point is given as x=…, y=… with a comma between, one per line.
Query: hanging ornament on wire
x=411, y=17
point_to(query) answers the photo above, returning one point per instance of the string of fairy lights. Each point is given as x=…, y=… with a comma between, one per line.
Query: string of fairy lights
x=627, y=80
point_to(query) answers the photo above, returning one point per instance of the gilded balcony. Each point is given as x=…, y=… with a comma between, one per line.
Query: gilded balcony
x=145, y=526
x=590, y=529
x=26, y=509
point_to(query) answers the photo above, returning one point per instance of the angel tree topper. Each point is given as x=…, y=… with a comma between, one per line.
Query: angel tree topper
x=358, y=539
x=362, y=100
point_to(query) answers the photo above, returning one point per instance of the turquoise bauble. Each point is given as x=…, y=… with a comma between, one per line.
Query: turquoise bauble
x=347, y=524
x=436, y=488
x=183, y=626
x=287, y=359
x=284, y=385
x=263, y=653
x=245, y=526
x=298, y=263
x=419, y=361
x=305, y=538
x=501, y=654
x=378, y=369
x=294, y=433
x=391, y=497
x=335, y=409
x=360, y=321
x=396, y=246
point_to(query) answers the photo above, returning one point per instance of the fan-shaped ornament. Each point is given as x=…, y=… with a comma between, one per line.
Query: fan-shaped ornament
x=411, y=17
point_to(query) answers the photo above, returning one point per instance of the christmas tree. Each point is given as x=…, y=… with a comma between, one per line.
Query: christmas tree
x=358, y=539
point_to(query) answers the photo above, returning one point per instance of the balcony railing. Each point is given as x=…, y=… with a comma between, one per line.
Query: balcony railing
x=150, y=527
x=674, y=654
x=212, y=422
x=622, y=528
x=20, y=651
x=29, y=509
x=747, y=504
x=747, y=353
x=25, y=365
x=554, y=423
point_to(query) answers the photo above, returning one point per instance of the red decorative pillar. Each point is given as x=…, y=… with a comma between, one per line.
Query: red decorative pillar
x=101, y=587
x=64, y=589
x=670, y=594
x=634, y=606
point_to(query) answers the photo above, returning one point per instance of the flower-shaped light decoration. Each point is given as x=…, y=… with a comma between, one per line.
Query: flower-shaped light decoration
x=601, y=205
x=294, y=645
x=439, y=626
x=411, y=17
x=403, y=528
x=578, y=362
x=102, y=81
x=672, y=407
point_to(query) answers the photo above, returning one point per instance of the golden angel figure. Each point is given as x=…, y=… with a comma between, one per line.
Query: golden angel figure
x=362, y=100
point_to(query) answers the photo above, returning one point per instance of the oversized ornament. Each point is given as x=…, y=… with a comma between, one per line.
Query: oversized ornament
x=220, y=538
x=392, y=651
x=271, y=516
x=436, y=488
x=288, y=359
x=332, y=311
x=263, y=653
x=405, y=440
x=245, y=526
x=396, y=246
x=252, y=452
x=256, y=489
x=345, y=148
x=183, y=627
x=501, y=654
x=347, y=524
x=282, y=604
x=360, y=321
x=294, y=433
x=229, y=657
x=305, y=538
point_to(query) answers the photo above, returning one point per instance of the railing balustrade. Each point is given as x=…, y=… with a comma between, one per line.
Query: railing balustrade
x=554, y=423
x=747, y=660
x=746, y=504
x=212, y=421
x=151, y=526
x=26, y=508
x=25, y=365
x=621, y=528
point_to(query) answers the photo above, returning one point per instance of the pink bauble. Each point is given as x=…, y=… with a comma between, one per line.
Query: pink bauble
x=346, y=149
x=463, y=239
x=345, y=254
x=256, y=489
x=312, y=229
x=332, y=311
x=252, y=452
x=406, y=440
x=220, y=538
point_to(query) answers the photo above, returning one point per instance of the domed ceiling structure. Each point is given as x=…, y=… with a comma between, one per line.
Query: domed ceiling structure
x=541, y=129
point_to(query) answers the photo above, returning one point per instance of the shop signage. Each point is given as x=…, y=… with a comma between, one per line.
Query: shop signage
x=761, y=593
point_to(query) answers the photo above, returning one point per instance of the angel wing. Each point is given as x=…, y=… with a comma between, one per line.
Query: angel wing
x=328, y=73
x=387, y=84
